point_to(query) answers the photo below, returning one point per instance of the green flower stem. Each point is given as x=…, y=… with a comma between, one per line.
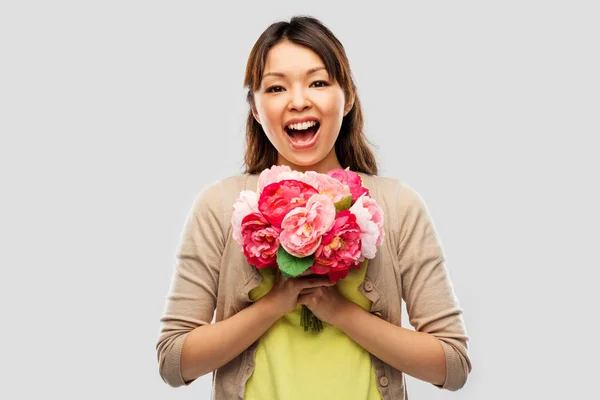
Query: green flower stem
x=309, y=320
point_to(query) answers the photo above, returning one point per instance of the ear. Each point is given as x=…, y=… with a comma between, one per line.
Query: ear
x=349, y=106
x=255, y=114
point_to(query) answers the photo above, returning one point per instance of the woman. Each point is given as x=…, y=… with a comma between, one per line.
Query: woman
x=305, y=113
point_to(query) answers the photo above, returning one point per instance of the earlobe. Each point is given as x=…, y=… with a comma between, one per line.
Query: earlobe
x=255, y=114
x=349, y=106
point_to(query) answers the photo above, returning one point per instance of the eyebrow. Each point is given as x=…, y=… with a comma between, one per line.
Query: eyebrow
x=310, y=71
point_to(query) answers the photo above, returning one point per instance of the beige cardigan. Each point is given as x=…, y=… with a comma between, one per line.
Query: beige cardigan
x=211, y=273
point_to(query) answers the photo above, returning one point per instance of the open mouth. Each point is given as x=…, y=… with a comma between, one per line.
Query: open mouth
x=303, y=136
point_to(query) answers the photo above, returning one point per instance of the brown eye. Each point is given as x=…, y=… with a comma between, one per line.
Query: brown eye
x=320, y=83
x=273, y=89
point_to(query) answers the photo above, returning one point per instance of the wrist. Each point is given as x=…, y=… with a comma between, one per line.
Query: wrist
x=269, y=308
x=345, y=315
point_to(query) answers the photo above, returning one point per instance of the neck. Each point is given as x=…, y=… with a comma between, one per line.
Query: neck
x=325, y=165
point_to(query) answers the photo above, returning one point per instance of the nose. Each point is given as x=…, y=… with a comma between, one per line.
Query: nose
x=299, y=101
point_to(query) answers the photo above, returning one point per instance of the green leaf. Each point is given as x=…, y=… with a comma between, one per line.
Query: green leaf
x=291, y=266
x=343, y=204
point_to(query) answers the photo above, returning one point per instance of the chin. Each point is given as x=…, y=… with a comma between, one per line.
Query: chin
x=305, y=162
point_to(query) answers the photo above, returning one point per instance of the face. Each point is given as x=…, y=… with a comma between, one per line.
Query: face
x=296, y=87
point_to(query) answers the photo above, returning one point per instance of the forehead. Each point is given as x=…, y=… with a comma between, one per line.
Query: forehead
x=291, y=59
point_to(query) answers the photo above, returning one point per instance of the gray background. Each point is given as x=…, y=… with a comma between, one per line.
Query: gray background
x=115, y=114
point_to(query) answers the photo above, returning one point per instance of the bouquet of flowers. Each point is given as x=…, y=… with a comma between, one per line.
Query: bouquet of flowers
x=298, y=221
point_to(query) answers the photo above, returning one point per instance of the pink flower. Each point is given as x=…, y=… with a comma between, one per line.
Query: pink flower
x=303, y=227
x=340, y=248
x=327, y=185
x=275, y=174
x=352, y=179
x=369, y=217
x=246, y=203
x=279, y=198
x=260, y=241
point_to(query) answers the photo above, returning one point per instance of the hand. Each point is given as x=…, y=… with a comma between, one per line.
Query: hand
x=327, y=303
x=283, y=297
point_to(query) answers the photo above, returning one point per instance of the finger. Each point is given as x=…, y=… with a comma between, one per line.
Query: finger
x=309, y=290
x=310, y=300
x=307, y=272
x=306, y=299
x=314, y=282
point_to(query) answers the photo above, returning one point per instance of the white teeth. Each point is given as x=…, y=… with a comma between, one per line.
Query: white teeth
x=302, y=126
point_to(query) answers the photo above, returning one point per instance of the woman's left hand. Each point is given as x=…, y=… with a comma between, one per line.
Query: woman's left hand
x=327, y=303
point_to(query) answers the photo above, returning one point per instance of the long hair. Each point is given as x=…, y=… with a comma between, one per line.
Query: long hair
x=351, y=147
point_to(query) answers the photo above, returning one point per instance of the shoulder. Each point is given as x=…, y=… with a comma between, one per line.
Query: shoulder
x=232, y=185
x=383, y=188
x=400, y=199
x=387, y=183
x=404, y=195
x=216, y=198
x=225, y=188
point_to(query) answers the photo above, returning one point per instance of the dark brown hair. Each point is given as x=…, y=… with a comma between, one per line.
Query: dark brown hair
x=351, y=147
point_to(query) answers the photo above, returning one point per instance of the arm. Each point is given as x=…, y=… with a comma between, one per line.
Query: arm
x=192, y=294
x=418, y=354
x=431, y=303
x=209, y=347
x=188, y=345
x=437, y=351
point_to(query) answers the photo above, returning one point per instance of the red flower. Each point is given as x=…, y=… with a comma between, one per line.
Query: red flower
x=279, y=198
x=340, y=248
x=260, y=241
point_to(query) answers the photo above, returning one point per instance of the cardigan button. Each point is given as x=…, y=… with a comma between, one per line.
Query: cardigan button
x=368, y=286
x=377, y=313
x=383, y=381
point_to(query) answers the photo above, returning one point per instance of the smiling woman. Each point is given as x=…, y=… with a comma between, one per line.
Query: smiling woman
x=300, y=107
x=304, y=109
x=304, y=115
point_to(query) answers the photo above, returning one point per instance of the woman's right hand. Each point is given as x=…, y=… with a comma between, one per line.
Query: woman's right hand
x=283, y=297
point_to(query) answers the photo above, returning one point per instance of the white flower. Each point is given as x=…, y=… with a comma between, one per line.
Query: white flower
x=246, y=203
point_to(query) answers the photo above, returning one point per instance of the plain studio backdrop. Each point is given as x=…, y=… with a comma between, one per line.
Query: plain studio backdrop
x=115, y=114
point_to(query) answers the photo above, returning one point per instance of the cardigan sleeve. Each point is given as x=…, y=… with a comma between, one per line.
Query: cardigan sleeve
x=192, y=296
x=431, y=303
